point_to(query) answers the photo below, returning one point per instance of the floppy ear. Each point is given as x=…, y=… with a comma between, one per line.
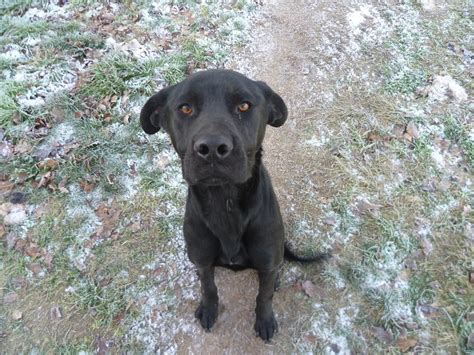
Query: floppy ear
x=151, y=116
x=278, y=111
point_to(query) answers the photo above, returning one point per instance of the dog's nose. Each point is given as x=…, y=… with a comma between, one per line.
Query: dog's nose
x=212, y=145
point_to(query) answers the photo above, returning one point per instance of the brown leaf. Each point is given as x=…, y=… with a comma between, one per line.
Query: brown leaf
x=20, y=245
x=57, y=114
x=309, y=288
x=412, y=130
x=126, y=119
x=471, y=277
x=35, y=268
x=364, y=206
x=429, y=311
x=55, y=312
x=107, y=117
x=86, y=186
x=17, y=315
x=10, y=297
x=5, y=188
x=22, y=147
x=406, y=343
x=40, y=122
x=48, y=164
x=382, y=335
x=48, y=260
x=3, y=232
x=45, y=179
x=330, y=220
x=398, y=131
x=33, y=251
x=5, y=150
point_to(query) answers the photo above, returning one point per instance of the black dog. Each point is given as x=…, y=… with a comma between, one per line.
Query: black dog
x=216, y=120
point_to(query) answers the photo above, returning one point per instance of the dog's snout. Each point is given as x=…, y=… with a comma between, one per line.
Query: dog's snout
x=213, y=146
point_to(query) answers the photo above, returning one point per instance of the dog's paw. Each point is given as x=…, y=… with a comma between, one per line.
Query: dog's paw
x=207, y=316
x=265, y=328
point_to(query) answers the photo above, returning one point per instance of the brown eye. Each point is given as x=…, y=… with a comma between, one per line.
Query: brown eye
x=186, y=109
x=243, y=107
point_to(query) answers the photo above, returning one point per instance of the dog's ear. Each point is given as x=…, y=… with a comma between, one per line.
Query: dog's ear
x=278, y=112
x=151, y=116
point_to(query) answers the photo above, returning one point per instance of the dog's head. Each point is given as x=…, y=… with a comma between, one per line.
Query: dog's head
x=216, y=120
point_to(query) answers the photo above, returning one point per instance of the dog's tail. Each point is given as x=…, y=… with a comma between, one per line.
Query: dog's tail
x=291, y=256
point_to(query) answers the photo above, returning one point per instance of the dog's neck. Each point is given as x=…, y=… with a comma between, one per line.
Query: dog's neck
x=222, y=207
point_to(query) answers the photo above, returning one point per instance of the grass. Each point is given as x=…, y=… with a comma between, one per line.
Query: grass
x=118, y=73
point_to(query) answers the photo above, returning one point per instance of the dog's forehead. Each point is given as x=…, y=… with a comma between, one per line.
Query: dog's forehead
x=218, y=83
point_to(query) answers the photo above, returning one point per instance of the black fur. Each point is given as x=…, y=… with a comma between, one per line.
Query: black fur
x=232, y=215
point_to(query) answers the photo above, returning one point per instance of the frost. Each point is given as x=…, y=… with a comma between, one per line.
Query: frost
x=444, y=88
x=438, y=158
x=356, y=18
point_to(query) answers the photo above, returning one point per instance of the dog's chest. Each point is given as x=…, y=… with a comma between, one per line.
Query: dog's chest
x=227, y=222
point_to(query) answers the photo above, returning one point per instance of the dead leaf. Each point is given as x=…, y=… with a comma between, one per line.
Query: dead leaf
x=471, y=277
x=17, y=315
x=126, y=119
x=10, y=297
x=48, y=260
x=382, y=335
x=309, y=288
x=5, y=150
x=48, y=164
x=107, y=117
x=427, y=247
x=404, y=275
x=35, y=268
x=11, y=241
x=5, y=188
x=135, y=227
x=363, y=206
x=33, y=251
x=429, y=311
x=330, y=220
x=470, y=341
x=55, y=312
x=398, y=131
x=406, y=343
x=412, y=130
x=22, y=147
x=86, y=186
x=2, y=231
x=16, y=216
x=45, y=179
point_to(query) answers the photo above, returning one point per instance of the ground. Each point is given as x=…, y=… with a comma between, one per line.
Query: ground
x=374, y=164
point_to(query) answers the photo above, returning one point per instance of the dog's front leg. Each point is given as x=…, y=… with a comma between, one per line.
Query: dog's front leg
x=207, y=309
x=266, y=324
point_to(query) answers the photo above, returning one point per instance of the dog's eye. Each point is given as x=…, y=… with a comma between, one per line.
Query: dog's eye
x=244, y=106
x=186, y=109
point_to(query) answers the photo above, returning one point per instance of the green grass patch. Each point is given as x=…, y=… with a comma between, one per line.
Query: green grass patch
x=117, y=73
x=458, y=133
x=9, y=107
x=17, y=29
